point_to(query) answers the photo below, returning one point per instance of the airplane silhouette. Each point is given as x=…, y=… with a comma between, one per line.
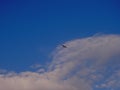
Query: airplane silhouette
x=64, y=46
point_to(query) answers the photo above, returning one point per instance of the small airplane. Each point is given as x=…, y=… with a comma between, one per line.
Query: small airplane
x=64, y=46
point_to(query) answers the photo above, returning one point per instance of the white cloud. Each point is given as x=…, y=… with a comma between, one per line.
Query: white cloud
x=81, y=66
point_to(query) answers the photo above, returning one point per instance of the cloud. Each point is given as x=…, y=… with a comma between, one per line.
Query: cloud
x=86, y=64
x=35, y=66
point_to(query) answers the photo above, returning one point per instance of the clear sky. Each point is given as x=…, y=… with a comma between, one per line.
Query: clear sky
x=31, y=29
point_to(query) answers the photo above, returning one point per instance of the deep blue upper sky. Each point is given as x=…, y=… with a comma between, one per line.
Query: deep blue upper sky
x=31, y=29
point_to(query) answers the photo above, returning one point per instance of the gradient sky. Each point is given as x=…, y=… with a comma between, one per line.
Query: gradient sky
x=31, y=29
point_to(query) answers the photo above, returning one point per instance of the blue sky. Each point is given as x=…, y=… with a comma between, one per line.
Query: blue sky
x=30, y=30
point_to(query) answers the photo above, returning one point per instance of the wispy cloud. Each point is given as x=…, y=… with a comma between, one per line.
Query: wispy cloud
x=36, y=66
x=85, y=64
